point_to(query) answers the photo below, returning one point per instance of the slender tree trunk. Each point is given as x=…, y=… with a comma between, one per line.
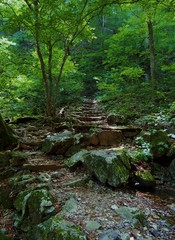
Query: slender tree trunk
x=50, y=78
x=7, y=136
x=42, y=64
x=152, y=57
x=66, y=54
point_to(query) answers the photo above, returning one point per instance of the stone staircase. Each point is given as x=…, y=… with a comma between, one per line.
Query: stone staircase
x=89, y=118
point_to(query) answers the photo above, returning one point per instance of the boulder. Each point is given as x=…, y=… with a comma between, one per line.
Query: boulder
x=111, y=167
x=108, y=166
x=58, y=143
x=145, y=179
x=76, y=160
x=33, y=206
x=64, y=143
x=56, y=228
x=110, y=137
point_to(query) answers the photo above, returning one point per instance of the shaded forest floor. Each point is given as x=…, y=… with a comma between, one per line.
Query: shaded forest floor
x=92, y=205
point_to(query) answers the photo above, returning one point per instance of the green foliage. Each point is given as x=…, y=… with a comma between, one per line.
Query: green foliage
x=144, y=150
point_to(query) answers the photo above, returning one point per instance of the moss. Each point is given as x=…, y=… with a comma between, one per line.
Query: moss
x=7, y=136
x=56, y=228
x=145, y=176
x=33, y=206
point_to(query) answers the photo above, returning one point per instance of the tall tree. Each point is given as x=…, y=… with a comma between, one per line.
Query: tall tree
x=55, y=25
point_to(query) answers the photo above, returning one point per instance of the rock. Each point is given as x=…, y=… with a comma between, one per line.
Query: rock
x=91, y=226
x=134, y=215
x=159, y=142
x=110, y=137
x=172, y=169
x=172, y=207
x=56, y=228
x=109, y=235
x=145, y=179
x=33, y=206
x=93, y=140
x=70, y=205
x=108, y=166
x=76, y=160
x=64, y=143
x=58, y=143
x=111, y=167
x=72, y=150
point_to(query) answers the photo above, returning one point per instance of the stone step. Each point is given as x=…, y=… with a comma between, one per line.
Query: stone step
x=94, y=122
x=128, y=131
x=87, y=114
x=91, y=118
x=95, y=111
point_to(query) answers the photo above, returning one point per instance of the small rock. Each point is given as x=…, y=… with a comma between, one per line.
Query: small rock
x=109, y=235
x=92, y=226
x=114, y=207
x=172, y=206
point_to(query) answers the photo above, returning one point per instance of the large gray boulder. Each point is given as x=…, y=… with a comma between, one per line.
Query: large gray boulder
x=58, y=143
x=62, y=143
x=111, y=167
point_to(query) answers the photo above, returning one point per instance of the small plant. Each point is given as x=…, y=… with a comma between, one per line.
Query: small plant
x=144, y=149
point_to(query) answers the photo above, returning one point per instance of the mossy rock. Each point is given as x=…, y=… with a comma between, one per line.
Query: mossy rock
x=109, y=167
x=33, y=206
x=134, y=215
x=58, y=143
x=56, y=228
x=145, y=179
x=76, y=159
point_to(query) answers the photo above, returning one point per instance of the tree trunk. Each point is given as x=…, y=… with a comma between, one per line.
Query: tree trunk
x=7, y=136
x=152, y=57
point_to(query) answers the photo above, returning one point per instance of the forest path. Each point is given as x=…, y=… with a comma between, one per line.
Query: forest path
x=93, y=203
